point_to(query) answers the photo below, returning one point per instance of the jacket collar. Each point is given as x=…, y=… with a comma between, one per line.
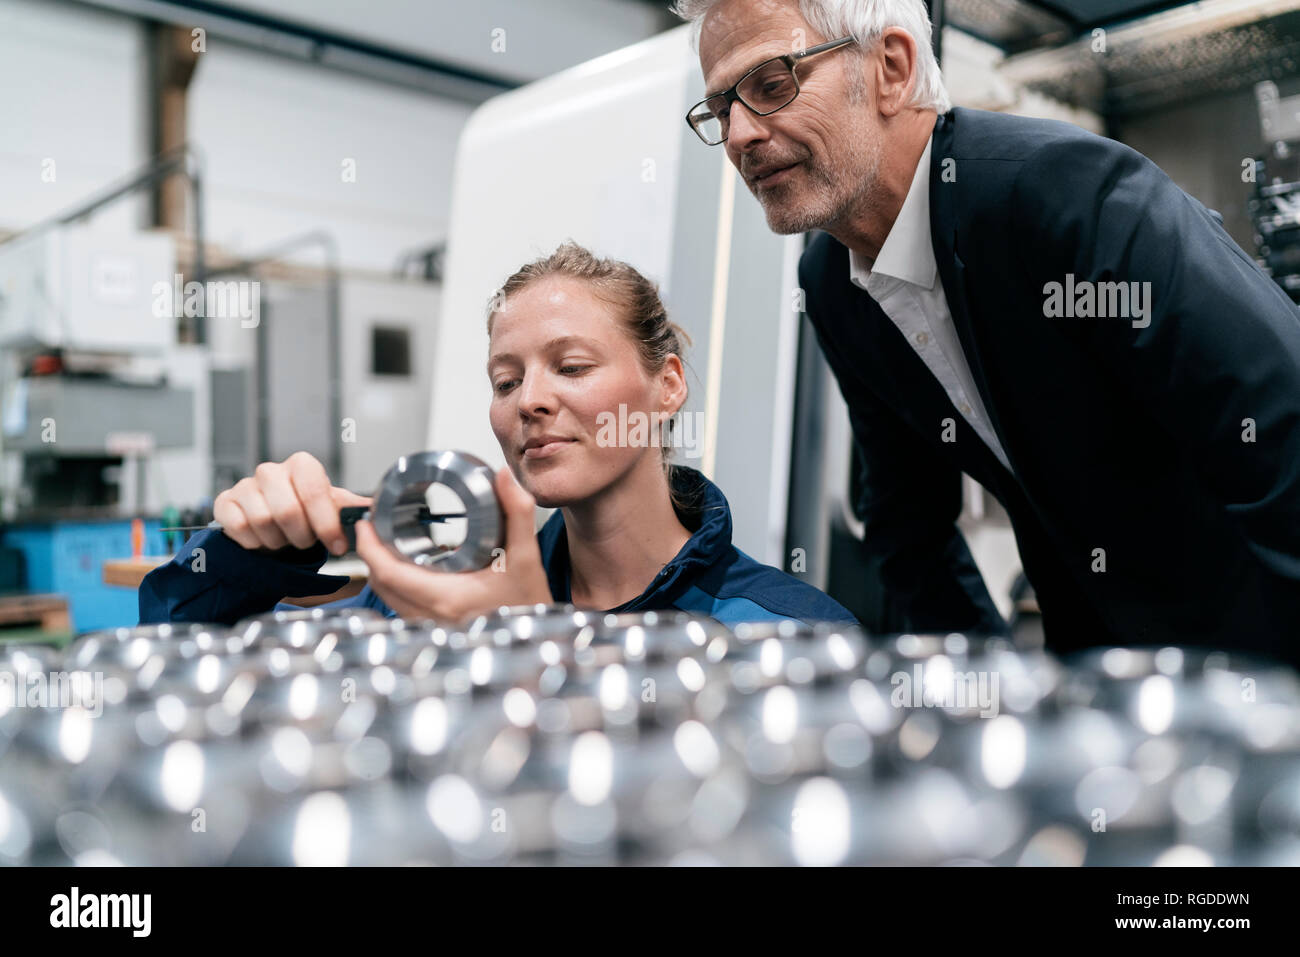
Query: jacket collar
x=943, y=220
x=952, y=271
x=706, y=515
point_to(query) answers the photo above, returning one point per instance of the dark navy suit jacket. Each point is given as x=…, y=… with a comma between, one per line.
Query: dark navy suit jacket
x=1131, y=443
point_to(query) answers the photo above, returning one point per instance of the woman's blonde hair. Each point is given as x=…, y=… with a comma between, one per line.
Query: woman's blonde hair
x=637, y=298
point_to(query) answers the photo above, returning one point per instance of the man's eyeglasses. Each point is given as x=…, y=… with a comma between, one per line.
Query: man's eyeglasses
x=770, y=86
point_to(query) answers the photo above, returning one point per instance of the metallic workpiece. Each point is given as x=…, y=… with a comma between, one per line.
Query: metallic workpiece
x=551, y=735
x=401, y=515
x=400, y=505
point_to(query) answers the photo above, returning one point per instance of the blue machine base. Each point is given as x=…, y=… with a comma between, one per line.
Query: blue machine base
x=67, y=558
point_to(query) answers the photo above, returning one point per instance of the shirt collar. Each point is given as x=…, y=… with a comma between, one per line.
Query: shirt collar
x=907, y=253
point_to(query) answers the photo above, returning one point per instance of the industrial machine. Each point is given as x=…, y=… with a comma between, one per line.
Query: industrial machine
x=91, y=406
x=1275, y=205
x=86, y=321
x=107, y=416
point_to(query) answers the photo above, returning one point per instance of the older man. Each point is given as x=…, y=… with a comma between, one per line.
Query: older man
x=1033, y=305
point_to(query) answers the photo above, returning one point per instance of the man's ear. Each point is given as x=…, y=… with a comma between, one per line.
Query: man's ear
x=895, y=64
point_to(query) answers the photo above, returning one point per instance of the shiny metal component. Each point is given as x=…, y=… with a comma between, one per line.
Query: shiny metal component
x=549, y=734
x=285, y=663
x=493, y=669
x=129, y=660
x=183, y=802
x=524, y=624
x=1235, y=722
x=929, y=818
x=650, y=637
x=391, y=648
x=21, y=658
x=378, y=824
x=291, y=760
x=623, y=700
x=216, y=642
x=18, y=831
x=163, y=631
x=302, y=628
x=589, y=797
x=424, y=732
x=1162, y=689
x=173, y=716
x=759, y=657
x=324, y=705
x=785, y=730
x=401, y=497
x=19, y=666
x=195, y=680
x=66, y=755
x=96, y=653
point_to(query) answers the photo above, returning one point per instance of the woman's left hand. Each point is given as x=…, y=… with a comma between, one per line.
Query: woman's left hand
x=516, y=578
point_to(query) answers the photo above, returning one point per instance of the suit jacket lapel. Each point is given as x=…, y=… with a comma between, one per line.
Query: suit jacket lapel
x=952, y=271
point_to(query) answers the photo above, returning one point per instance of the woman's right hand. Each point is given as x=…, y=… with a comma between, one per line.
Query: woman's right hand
x=286, y=503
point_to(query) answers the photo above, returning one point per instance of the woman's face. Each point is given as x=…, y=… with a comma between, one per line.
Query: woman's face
x=558, y=358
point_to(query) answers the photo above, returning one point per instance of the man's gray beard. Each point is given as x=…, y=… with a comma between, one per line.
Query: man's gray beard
x=830, y=210
x=786, y=221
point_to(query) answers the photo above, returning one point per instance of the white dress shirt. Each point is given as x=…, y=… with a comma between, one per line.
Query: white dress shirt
x=904, y=281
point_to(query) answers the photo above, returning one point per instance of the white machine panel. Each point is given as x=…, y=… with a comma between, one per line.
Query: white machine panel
x=81, y=289
x=559, y=159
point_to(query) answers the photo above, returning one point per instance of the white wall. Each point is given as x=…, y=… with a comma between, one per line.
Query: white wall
x=73, y=82
x=274, y=131
x=275, y=134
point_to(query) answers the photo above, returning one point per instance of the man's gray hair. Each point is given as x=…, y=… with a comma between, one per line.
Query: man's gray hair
x=865, y=21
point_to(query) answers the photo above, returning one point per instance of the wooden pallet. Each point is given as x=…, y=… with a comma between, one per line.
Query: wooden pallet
x=47, y=612
x=129, y=572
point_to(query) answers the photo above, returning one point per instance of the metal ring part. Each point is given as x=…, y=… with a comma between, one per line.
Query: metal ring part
x=401, y=498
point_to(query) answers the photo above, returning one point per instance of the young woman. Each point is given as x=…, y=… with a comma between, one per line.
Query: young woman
x=573, y=342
